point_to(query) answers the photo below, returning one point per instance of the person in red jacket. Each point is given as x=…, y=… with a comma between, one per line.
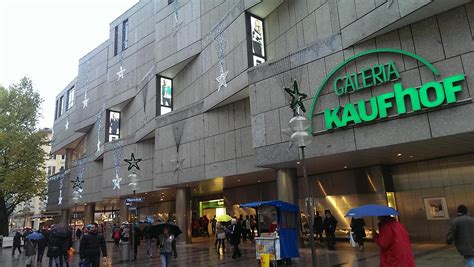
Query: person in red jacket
x=394, y=244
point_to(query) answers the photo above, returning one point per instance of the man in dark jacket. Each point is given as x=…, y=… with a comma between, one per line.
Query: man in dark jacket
x=235, y=232
x=42, y=243
x=330, y=224
x=91, y=245
x=16, y=242
x=461, y=232
x=318, y=227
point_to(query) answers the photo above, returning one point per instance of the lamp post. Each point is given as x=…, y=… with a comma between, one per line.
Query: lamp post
x=300, y=137
x=134, y=186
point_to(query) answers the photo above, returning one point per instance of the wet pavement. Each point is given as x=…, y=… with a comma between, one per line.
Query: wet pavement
x=203, y=253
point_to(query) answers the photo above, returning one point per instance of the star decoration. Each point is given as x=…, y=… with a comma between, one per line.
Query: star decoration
x=179, y=164
x=132, y=162
x=66, y=125
x=116, y=182
x=77, y=184
x=120, y=73
x=177, y=26
x=85, y=101
x=296, y=98
x=221, y=79
x=60, y=200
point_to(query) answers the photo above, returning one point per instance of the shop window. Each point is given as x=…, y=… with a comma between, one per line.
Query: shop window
x=256, y=40
x=70, y=98
x=125, y=34
x=116, y=31
x=165, y=101
x=113, y=125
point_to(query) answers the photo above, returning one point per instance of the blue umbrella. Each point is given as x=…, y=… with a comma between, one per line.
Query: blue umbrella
x=372, y=210
x=35, y=236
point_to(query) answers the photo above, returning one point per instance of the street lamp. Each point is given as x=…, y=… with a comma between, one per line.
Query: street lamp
x=300, y=137
x=133, y=178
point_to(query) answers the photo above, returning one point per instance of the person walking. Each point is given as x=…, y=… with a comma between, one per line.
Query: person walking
x=394, y=244
x=357, y=226
x=30, y=252
x=213, y=225
x=330, y=224
x=248, y=225
x=461, y=232
x=205, y=226
x=16, y=242
x=55, y=251
x=253, y=225
x=92, y=245
x=42, y=243
x=137, y=236
x=235, y=233
x=148, y=239
x=220, y=237
x=116, y=235
x=318, y=227
x=167, y=245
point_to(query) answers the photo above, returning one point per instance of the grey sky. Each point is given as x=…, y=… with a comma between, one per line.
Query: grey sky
x=44, y=39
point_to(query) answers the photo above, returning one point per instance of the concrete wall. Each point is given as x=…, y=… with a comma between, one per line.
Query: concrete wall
x=447, y=177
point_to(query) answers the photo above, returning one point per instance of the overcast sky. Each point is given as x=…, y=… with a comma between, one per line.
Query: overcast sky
x=44, y=39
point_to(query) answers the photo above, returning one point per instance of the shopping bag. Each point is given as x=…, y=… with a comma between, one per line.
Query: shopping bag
x=351, y=239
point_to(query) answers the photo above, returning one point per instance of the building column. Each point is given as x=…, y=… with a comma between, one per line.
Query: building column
x=89, y=213
x=287, y=185
x=183, y=214
x=64, y=216
x=123, y=211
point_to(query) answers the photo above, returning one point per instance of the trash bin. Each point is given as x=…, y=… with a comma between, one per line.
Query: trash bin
x=265, y=260
x=124, y=251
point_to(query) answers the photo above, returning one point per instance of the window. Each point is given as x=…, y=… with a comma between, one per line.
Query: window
x=113, y=125
x=51, y=170
x=256, y=40
x=125, y=34
x=116, y=40
x=63, y=156
x=70, y=98
x=165, y=101
x=60, y=106
x=52, y=156
x=56, y=110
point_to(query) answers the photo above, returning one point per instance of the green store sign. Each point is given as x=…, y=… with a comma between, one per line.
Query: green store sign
x=429, y=95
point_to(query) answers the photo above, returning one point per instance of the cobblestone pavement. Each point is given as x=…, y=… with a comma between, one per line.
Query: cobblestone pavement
x=203, y=253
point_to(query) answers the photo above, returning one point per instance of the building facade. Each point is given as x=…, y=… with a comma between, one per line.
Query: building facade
x=194, y=89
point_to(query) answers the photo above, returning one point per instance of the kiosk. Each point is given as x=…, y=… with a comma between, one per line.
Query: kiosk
x=277, y=227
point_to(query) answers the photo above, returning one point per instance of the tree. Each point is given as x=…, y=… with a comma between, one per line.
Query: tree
x=22, y=174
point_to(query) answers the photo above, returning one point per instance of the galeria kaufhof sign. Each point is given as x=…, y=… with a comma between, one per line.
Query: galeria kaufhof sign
x=427, y=96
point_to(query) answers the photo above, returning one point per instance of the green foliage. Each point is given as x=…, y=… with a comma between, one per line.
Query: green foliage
x=22, y=157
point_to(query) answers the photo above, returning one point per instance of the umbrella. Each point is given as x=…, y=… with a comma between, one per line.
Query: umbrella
x=35, y=236
x=60, y=230
x=157, y=229
x=223, y=218
x=372, y=210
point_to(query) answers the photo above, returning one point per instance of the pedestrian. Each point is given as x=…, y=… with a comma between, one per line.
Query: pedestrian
x=220, y=237
x=30, y=252
x=205, y=226
x=318, y=227
x=357, y=226
x=148, y=239
x=235, y=233
x=42, y=243
x=253, y=225
x=137, y=236
x=116, y=235
x=461, y=232
x=55, y=250
x=91, y=246
x=247, y=224
x=67, y=245
x=16, y=242
x=125, y=233
x=394, y=243
x=330, y=224
x=167, y=245
x=213, y=225
x=78, y=233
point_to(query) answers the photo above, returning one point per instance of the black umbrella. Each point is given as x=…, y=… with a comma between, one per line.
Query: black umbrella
x=157, y=229
x=61, y=230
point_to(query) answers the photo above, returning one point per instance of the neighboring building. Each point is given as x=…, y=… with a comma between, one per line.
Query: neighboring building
x=195, y=90
x=31, y=214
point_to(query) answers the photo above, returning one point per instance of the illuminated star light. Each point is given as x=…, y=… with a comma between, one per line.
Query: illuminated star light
x=60, y=200
x=77, y=184
x=116, y=182
x=120, y=73
x=98, y=145
x=85, y=101
x=67, y=125
x=132, y=162
x=221, y=79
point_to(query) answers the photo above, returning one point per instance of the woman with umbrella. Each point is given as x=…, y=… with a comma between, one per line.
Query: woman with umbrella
x=167, y=246
x=220, y=231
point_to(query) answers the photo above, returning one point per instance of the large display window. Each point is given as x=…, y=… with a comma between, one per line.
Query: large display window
x=165, y=93
x=256, y=37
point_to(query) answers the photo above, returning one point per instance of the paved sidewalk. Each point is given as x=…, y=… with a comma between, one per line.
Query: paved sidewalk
x=203, y=253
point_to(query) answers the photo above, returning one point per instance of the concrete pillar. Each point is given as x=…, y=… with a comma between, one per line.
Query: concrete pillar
x=287, y=185
x=123, y=211
x=64, y=216
x=89, y=213
x=183, y=214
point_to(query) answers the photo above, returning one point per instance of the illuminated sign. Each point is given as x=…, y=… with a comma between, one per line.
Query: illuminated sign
x=429, y=95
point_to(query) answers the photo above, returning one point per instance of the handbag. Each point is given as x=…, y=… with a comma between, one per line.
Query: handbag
x=221, y=236
x=351, y=239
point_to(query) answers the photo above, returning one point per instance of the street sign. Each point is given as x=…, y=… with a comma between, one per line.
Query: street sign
x=135, y=200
